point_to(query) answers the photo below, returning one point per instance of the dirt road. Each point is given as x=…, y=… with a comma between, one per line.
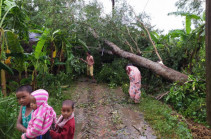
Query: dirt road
x=103, y=113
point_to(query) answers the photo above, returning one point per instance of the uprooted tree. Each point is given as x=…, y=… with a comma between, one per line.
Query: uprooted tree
x=156, y=67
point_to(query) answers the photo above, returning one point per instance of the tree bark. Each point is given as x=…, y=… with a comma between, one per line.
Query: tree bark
x=208, y=60
x=158, y=68
x=3, y=83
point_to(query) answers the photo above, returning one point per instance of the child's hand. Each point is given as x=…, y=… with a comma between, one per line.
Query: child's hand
x=52, y=127
x=23, y=136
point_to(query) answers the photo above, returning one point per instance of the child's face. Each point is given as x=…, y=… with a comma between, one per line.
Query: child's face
x=66, y=111
x=33, y=104
x=23, y=98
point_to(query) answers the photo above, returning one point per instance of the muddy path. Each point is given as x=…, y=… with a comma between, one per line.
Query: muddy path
x=103, y=113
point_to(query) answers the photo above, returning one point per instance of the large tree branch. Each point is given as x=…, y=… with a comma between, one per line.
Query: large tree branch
x=156, y=51
x=131, y=48
x=138, y=50
x=158, y=68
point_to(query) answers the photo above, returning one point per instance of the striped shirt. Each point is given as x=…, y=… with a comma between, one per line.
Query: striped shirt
x=42, y=117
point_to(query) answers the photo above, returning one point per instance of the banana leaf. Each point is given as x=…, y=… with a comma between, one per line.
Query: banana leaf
x=13, y=42
x=41, y=43
x=83, y=44
x=6, y=68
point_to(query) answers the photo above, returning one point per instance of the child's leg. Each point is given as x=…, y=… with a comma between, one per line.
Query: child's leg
x=88, y=70
x=91, y=70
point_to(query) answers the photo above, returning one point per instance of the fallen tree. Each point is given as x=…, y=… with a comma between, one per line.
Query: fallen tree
x=156, y=67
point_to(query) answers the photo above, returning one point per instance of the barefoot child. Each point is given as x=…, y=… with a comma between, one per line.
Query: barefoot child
x=42, y=118
x=65, y=125
x=90, y=65
x=25, y=112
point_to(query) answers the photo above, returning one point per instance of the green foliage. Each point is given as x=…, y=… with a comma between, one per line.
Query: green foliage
x=12, y=86
x=182, y=50
x=163, y=120
x=189, y=99
x=188, y=19
x=13, y=42
x=195, y=6
x=113, y=73
x=8, y=6
x=40, y=44
x=8, y=115
x=6, y=68
x=74, y=66
x=125, y=88
x=54, y=84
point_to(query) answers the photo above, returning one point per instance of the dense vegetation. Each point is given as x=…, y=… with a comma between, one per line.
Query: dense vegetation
x=51, y=58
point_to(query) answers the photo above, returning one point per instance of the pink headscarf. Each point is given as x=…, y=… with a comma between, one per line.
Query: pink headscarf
x=134, y=73
x=42, y=117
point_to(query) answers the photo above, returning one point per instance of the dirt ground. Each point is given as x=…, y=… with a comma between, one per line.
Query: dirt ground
x=102, y=113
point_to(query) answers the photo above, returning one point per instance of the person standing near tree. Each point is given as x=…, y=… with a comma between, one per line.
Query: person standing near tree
x=90, y=64
x=135, y=82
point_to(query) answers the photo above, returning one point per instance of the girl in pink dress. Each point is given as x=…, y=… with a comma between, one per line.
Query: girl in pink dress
x=135, y=82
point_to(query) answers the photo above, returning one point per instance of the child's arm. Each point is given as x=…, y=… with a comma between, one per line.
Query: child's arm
x=19, y=125
x=63, y=135
x=83, y=60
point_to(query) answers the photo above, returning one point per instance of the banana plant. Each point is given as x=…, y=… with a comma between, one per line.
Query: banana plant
x=191, y=40
x=8, y=6
x=38, y=58
x=188, y=18
x=48, y=38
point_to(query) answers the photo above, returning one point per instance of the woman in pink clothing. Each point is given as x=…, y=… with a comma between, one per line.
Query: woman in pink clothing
x=42, y=117
x=135, y=82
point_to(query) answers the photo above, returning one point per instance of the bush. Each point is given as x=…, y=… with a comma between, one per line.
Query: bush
x=189, y=99
x=114, y=73
x=125, y=89
x=9, y=109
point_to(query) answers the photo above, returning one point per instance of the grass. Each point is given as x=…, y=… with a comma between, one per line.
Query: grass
x=163, y=120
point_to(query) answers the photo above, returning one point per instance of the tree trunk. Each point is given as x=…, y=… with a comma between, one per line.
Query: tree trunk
x=3, y=83
x=158, y=68
x=208, y=60
x=19, y=75
x=26, y=74
x=34, y=80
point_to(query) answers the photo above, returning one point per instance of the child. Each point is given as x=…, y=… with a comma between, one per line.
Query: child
x=90, y=65
x=65, y=125
x=42, y=118
x=25, y=112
